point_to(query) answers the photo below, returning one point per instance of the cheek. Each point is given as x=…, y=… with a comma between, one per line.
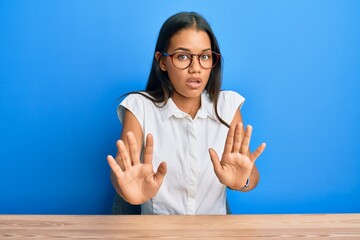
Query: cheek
x=175, y=78
x=175, y=74
x=207, y=75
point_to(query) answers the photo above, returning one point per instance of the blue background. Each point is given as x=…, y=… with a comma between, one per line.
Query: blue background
x=63, y=64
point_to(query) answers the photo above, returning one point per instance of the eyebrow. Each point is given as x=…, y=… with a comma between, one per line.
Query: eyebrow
x=188, y=50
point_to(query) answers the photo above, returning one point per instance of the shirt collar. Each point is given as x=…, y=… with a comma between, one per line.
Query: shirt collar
x=206, y=109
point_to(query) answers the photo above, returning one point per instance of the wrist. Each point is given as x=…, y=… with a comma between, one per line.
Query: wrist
x=247, y=184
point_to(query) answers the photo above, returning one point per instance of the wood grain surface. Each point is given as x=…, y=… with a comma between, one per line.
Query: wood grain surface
x=290, y=226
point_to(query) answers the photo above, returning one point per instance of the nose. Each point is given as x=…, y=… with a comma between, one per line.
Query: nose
x=195, y=66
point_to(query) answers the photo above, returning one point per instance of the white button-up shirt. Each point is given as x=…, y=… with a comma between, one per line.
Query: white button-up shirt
x=190, y=185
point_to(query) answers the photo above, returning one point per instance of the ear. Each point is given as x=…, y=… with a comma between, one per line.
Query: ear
x=160, y=60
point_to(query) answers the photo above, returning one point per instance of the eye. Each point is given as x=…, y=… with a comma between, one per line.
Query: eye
x=182, y=56
x=205, y=57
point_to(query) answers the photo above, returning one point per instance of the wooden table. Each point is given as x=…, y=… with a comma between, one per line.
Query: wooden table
x=313, y=226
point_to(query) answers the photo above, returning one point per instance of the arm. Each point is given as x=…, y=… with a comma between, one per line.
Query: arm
x=254, y=176
x=237, y=162
x=135, y=182
x=130, y=124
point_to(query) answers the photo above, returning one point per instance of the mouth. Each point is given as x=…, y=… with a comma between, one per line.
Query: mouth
x=194, y=82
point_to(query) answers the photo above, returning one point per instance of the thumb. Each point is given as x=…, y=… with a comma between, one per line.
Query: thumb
x=160, y=173
x=215, y=160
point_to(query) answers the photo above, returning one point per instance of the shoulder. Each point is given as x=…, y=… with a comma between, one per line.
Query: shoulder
x=137, y=103
x=232, y=98
x=229, y=103
x=136, y=100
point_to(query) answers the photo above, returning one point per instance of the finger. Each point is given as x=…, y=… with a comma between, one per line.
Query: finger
x=246, y=140
x=257, y=152
x=125, y=159
x=115, y=168
x=229, y=140
x=133, y=149
x=160, y=173
x=118, y=157
x=148, y=151
x=216, y=162
x=237, y=137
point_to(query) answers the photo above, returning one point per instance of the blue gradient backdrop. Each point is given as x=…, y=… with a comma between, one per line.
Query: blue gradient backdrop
x=63, y=64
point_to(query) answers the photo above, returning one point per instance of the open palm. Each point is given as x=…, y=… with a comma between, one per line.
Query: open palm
x=137, y=181
x=236, y=162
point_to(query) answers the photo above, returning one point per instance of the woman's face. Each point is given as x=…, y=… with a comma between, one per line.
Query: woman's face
x=189, y=82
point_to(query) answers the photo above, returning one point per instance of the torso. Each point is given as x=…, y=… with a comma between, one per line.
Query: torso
x=190, y=185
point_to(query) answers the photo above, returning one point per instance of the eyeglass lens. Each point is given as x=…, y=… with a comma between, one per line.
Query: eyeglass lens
x=183, y=60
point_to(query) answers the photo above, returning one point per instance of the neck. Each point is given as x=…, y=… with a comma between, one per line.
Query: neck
x=188, y=105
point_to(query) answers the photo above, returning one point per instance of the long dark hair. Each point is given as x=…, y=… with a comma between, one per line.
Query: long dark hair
x=159, y=86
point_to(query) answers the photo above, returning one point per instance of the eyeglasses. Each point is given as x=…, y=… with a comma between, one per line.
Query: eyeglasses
x=182, y=60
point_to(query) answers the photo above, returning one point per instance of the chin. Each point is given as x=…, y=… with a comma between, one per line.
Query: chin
x=194, y=93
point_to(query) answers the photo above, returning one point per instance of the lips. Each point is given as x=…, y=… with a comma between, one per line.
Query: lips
x=194, y=82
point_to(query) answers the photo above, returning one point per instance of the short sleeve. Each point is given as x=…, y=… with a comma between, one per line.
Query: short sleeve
x=135, y=104
x=229, y=102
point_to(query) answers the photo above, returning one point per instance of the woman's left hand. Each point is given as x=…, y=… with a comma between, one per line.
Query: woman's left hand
x=236, y=162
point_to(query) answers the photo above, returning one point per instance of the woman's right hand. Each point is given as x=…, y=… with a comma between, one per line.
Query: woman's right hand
x=137, y=181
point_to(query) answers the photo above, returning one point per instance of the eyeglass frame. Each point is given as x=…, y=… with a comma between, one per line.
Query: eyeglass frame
x=218, y=55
